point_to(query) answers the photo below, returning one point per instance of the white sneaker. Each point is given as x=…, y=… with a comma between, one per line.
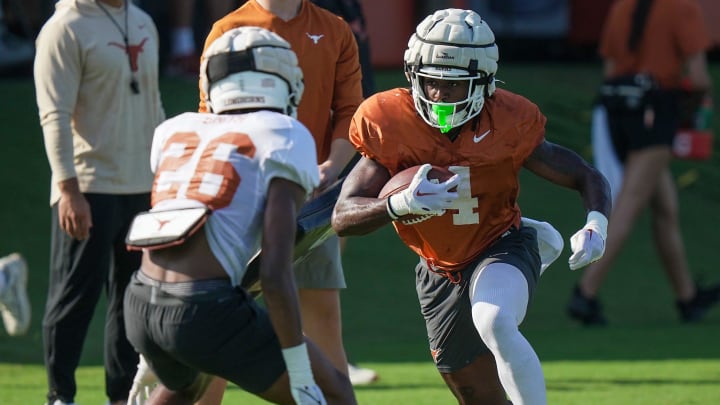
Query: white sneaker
x=361, y=376
x=59, y=402
x=14, y=303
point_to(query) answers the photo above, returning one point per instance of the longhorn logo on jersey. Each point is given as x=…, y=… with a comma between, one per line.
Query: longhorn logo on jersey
x=133, y=52
x=315, y=38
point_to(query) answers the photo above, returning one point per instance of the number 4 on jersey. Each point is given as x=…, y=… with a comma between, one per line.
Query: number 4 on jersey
x=465, y=203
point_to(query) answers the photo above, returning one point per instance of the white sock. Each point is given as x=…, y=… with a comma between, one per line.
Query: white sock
x=3, y=282
x=183, y=41
x=499, y=298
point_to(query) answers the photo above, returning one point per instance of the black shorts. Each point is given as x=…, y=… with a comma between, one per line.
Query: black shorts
x=454, y=341
x=205, y=326
x=629, y=132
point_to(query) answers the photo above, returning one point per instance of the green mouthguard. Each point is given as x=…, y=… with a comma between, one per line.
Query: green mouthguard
x=442, y=112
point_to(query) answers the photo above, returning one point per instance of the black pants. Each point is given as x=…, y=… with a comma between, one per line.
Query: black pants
x=79, y=270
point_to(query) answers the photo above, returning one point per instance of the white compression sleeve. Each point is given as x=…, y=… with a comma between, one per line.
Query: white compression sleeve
x=499, y=298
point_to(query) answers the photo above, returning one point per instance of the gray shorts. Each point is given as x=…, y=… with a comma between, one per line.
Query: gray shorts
x=454, y=341
x=322, y=268
x=204, y=326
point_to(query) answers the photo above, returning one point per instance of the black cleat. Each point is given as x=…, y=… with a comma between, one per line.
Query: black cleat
x=695, y=309
x=586, y=310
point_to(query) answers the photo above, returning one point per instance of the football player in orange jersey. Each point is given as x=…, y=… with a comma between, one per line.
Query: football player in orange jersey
x=479, y=259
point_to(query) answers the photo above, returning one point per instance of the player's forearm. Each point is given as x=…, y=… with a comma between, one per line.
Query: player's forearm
x=359, y=216
x=596, y=193
x=281, y=299
x=276, y=272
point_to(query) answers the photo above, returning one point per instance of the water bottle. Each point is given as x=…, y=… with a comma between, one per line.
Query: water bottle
x=703, y=116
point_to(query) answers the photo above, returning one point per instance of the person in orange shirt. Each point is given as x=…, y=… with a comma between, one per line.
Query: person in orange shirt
x=479, y=260
x=328, y=56
x=644, y=39
x=352, y=12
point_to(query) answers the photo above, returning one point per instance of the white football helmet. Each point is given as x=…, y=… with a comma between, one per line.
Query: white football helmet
x=248, y=68
x=452, y=44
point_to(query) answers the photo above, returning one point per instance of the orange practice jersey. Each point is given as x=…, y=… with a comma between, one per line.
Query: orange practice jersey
x=676, y=22
x=388, y=130
x=328, y=56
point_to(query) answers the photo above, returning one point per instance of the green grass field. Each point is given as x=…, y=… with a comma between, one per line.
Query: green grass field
x=645, y=356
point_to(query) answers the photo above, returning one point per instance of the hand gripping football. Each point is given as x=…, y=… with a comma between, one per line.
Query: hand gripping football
x=402, y=180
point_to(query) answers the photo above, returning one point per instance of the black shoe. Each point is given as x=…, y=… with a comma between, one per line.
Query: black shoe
x=586, y=310
x=695, y=309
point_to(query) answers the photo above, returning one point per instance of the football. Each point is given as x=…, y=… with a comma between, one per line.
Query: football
x=401, y=181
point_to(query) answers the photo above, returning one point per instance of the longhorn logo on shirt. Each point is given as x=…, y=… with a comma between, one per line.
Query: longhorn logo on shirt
x=163, y=222
x=315, y=38
x=435, y=353
x=133, y=51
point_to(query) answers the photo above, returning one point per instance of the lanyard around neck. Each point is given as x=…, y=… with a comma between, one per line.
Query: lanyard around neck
x=134, y=86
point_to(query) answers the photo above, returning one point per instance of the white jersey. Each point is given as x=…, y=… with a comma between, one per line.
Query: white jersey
x=225, y=163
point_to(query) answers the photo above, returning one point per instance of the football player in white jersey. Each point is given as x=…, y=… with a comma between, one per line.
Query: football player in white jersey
x=226, y=185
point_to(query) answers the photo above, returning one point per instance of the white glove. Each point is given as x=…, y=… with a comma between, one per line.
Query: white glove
x=143, y=383
x=307, y=395
x=588, y=244
x=422, y=197
x=302, y=383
